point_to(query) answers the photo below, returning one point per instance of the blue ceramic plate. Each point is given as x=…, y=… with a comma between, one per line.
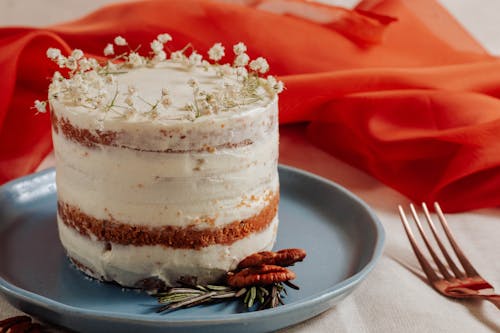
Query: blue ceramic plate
x=342, y=237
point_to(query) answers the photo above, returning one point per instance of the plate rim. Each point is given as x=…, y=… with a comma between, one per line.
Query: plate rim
x=313, y=300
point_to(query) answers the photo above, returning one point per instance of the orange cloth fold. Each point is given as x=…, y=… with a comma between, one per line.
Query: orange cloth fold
x=396, y=88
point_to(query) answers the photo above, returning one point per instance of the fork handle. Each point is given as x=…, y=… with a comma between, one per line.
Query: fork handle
x=495, y=299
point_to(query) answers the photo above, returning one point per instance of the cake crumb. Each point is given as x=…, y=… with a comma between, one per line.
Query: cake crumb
x=208, y=220
x=199, y=163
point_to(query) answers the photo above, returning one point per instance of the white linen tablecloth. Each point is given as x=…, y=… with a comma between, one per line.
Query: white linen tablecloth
x=394, y=297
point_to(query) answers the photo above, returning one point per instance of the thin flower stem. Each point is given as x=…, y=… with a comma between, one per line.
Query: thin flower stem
x=188, y=45
x=142, y=99
x=113, y=100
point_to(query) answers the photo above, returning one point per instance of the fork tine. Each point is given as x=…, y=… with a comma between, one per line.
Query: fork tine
x=450, y=261
x=460, y=255
x=438, y=261
x=426, y=267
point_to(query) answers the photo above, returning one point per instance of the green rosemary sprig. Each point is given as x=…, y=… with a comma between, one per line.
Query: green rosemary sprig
x=262, y=267
x=192, y=294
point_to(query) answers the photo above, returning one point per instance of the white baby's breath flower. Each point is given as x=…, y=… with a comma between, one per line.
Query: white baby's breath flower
x=94, y=63
x=166, y=101
x=41, y=106
x=205, y=64
x=99, y=84
x=77, y=54
x=177, y=56
x=57, y=76
x=241, y=60
x=109, y=50
x=111, y=66
x=101, y=103
x=55, y=90
x=84, y=64
x=188, y=107
x=225, y=70
x=64, y=84
x=164, y=38
x=131, y=90
x=231, y=92
x=278, y=87
x=259, y=65
x=135, y=59
x=242, y=72
x=213, y=101
x=71, y=63
x=195, y=59
x=239, y=48
x=77, y=78
x=205, y=108
x=160, y=56
x=271, y=81
x=129, y=101
x=193, y=83
x=53, y=53
x=78, y=87
x=61, y=61
x=128, y=113
x=91, y=77
x=153, y=114
x=275, y=85
x=120, y=41
x=156, y=46
x=110, y=79
x=102, y=97
x=216, y=52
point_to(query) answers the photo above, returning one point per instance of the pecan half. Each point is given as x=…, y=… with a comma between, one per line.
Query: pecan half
x=19, y=324
x=259, y=275
x=285, y=257
x=20, y=327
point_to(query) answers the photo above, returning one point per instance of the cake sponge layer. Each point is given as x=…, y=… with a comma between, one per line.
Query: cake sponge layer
x=131, y=265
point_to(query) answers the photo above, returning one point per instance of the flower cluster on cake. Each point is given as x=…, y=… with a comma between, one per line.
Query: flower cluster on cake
x=166, y=163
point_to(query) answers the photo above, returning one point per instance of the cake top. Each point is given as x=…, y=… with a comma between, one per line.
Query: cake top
x=163, y=86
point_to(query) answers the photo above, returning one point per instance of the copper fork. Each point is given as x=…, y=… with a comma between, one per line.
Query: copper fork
x=457, y=283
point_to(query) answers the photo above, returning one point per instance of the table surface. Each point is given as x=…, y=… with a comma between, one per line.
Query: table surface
x=394, y=297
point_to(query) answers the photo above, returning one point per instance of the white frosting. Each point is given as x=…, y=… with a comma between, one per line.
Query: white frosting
x=129, y=264
x=163, y=188
x=246, y=122
x=148, y=83
x=206, y=172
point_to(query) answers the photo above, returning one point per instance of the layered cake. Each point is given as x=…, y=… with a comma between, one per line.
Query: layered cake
x=166, y=164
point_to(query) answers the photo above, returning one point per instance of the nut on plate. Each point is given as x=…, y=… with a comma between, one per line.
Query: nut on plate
x=285, y=257
x=259, y=275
